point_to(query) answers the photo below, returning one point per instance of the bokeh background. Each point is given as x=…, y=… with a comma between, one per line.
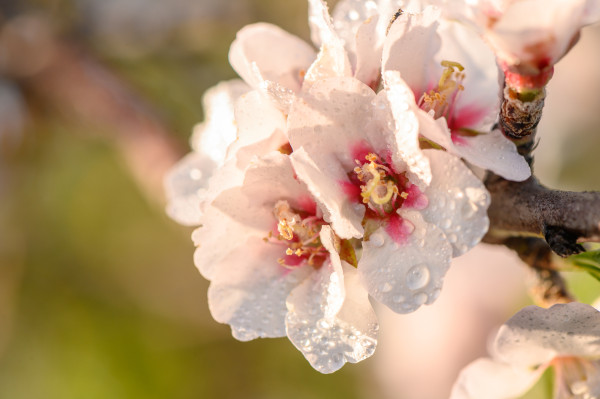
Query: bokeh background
x=99, y=297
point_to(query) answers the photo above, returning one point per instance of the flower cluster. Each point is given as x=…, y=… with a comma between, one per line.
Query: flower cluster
x=341, y=172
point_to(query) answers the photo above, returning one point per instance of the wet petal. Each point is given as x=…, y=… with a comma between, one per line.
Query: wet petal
x=249, y=289
x=485, y=378
x=458, y=202
x=185, y=185
x=406, y=129
x=535, y=335
x=338, y=207
x=406, y=275
x=330, y=319
x=494, y=152
x=219, y=129
x=261, y=129
x=368, y=53
x=411, y=44
x=266, y=52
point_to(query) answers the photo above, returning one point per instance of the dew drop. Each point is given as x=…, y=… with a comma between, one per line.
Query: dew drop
x=420, y=298
x=195, y=174
x=417, y=277
x=386, y=287
x=376, y=240
x=452, y=238
x=446, y=223
x=324, y=324
x=398, y=298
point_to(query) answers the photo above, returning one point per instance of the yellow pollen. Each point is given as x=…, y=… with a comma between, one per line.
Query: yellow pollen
x=404, y=194
x=371, y=157
x=285, y=230
x=289, y=251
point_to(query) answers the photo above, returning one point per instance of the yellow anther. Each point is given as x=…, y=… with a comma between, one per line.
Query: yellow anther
x=452, y=64
x=289, y=251
x=371, y=157
x=404, y=194
x=285, y=230
x=299, y=252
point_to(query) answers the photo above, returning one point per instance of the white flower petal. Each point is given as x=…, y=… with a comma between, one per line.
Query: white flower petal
x=248, y=210
x=458, y=201
x=185, y=186
x=406, y=129
x=219, y=129
x=327, y=333
x=331, y=62
x=476, y=107
x=535, y=335
x=411, y=44
x=338, y=208
x=275, y=54
x=404, y=276
x=490, y=151
x=495, y=152
x=368, y=53
x=261, y=129
x=249, y=289
x=485, y=378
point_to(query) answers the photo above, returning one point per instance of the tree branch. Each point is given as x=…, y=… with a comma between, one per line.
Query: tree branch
x=564, y=218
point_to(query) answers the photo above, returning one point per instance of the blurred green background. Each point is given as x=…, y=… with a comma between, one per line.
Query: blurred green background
x=99, y=297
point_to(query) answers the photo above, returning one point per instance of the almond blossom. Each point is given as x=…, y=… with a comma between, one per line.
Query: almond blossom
x=528, y=36
x=454, y=78
x=565, y=337
x=240, y=124
x=275, y=269
x=358, y=152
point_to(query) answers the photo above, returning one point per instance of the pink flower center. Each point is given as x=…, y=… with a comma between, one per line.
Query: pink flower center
x=299, y=232
x=441, y=99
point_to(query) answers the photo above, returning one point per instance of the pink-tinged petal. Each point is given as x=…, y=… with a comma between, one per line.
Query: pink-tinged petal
x=535, y=335
x=406, y=155
x=490, y=151
x=331, y=62
x=476, y=107
x=330, y=319
x=494, y=152
x=327, y=187
x=281, y=96
x=261, y=129
x=349, y=15
x=404, y=276
x=485, y=378
x=275, y=54
x=185, y=185
x=458, y=202
x=219, y=128
x=247, y=210
x=435, y=130
x=368, y=53
x=334, y=115
x=249, y=289
x=410, y=47
x=321, y=26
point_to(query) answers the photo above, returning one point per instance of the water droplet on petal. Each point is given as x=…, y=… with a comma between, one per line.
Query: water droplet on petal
x=386, y=287
x=417, y=277
x=420, y=298
x=376, y=240
x=398, y=298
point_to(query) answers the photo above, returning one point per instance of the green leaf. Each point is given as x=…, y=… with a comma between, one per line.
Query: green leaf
x=587, y=261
